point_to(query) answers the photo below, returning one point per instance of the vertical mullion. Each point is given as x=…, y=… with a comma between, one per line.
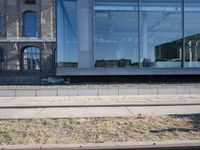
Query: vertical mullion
x=183, y=33
x=0, y=21
x=139, y=48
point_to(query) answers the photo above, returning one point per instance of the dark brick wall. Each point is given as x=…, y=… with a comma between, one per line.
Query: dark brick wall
x=13, y=42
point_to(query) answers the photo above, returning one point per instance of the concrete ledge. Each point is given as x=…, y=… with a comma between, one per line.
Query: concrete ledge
x=148, y=91
x=194, y=90
x=108, y=91
x=128, y=91
x=68, y=92
x=126, y=71
x=100, y=91
x=26, y=93
x=88, y=92
x=49, y=92
x=167, y=90
x=7, y=93
x=184, y=90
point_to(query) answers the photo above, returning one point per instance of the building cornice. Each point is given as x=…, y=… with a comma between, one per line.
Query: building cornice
x=27, y=40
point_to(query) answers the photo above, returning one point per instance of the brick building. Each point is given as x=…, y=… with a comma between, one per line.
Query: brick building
x=27, y=40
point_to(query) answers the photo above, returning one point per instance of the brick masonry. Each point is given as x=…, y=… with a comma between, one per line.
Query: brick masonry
x=13, y=42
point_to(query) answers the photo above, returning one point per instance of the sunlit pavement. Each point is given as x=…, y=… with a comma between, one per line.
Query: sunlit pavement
x=93, y=106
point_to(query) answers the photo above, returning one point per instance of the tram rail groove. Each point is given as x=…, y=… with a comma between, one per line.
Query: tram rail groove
x=189, y=145
x=98, y=105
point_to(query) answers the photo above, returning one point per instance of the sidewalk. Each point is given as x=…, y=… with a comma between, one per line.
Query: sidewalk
x=99, y=101
x=94, y=106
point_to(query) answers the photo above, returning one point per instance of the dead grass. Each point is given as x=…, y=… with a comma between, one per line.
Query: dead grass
x=99, y=130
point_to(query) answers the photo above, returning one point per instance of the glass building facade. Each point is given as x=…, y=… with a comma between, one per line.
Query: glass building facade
x=132, y=34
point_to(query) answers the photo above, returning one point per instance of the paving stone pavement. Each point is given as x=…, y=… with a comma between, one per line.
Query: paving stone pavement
x=94, y=106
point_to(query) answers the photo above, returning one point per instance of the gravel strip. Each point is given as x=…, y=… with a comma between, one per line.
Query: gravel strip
x=100, y=130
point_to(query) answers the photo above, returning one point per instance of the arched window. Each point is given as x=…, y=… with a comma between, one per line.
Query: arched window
x=30, y=24
x=31, y=58
x=1, y=55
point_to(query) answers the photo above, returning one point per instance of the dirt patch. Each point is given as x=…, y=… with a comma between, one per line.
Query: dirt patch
x=99, y=130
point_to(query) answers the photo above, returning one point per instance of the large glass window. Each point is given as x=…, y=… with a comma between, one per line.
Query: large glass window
x=67, y=54
x=30, y=24
x=192, y=33
x=116, y=33
x=161, y=33
x=31, y=58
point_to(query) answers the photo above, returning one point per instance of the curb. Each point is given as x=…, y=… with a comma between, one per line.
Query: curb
x=165, y=145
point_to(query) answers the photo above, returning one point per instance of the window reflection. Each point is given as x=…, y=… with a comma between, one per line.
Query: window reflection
x=67, y=54
x=31, y=58
x=116, y=33
x=116, y=27
x=192, y=33
x=161, y=31
x=30, y=24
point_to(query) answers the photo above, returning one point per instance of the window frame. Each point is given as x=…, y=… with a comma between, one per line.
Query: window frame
x=34, y=28
x=31, y=53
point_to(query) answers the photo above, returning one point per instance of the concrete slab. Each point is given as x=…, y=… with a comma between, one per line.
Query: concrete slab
x=88, y=92
x=68, y=92
x=84, y=112
x=19, y=113
x=183, y=90
x=195, y=90
x=98, y=90
x=108, y=91
x=95, y=112
x=165, y=110
x=47, y=92
x=128, y=91
x=167, y=91
x=26, y=93
x=148, y=91
x=7, y=93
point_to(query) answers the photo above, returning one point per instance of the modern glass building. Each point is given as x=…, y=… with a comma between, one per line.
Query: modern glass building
x=128, y=37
